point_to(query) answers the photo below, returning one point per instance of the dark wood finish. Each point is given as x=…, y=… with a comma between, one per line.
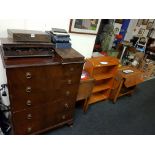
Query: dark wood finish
x=125, y=84
x=42, y=91
x=28, y=35
x=11, y=49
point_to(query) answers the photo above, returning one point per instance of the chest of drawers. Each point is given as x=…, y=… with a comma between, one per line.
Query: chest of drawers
x=43, y=91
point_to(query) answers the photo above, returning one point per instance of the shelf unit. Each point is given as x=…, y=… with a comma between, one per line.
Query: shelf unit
x=103, y=70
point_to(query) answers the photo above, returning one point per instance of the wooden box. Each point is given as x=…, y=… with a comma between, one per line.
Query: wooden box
x=28, y=35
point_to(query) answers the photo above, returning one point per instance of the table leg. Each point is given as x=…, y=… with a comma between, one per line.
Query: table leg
x=124, y=48
x=118, y=91
x=85, y=106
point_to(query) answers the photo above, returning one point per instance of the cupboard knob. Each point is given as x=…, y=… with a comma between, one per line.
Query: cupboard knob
x=28, y=75
x=63, y=117
x=28, y=103
x=69, y=81
x=28, y=89
x=29, y=116
x=71, y=69
x=29, y=129
x=67, y=93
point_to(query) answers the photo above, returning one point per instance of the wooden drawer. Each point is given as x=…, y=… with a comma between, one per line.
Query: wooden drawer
x=22, y=100
x=72, y=70
x=32, y=120
x=39, y=78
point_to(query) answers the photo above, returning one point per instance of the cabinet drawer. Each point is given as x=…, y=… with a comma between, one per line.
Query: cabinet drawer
x=39, y=78
x=20, y=99
x=72, y=70
x=32, y=120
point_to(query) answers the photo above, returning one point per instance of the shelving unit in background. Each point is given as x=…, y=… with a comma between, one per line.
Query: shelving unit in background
x=103, y=70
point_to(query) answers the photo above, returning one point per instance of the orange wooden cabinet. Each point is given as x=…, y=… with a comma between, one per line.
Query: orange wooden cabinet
x=103, y=70
x=125, y=83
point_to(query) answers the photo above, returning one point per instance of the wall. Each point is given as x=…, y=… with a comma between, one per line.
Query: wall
x=81, y=42
x=133, y=29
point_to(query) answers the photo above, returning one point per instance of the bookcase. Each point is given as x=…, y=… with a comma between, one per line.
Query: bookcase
x=103, y=70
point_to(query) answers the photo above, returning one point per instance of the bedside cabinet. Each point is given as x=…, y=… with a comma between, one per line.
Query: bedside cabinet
x=103, y=70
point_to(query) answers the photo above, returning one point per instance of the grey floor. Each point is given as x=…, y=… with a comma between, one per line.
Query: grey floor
x=132, y=115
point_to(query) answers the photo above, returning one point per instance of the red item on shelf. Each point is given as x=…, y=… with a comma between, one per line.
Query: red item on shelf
x=104, y=53
x=119, y=36
x=84, y=75
x=97, y=46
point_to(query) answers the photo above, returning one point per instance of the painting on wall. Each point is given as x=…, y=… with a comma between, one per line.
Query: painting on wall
x=141, y=31
x=139, y=23
x=145, y=21
x=149, y=25
x=84, y=26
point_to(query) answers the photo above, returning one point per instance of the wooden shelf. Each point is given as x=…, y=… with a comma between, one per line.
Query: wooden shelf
x=101, y=87
x=97, y=97
x=102, y=76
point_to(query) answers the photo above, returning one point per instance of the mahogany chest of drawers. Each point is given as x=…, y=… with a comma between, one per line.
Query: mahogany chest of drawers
x=43, y=91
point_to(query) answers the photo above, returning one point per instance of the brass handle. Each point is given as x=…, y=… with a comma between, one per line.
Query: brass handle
x=67, y=93
x=28, y=75
x=29, y=116
x=63, y=117
x=28, y=89
x=29, y=129
x=66, y=106
x=72, y=69
x=69, y=81
x=28, y=103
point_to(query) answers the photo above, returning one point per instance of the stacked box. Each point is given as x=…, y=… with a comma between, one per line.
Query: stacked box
x=60, y=38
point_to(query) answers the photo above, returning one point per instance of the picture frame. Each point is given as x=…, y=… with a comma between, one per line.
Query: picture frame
x=141, y=31
x=145, y=21
x=149, y=25
x=84, y=26
x=139, y=23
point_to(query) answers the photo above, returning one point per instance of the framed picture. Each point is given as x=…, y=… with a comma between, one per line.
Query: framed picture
x=149, y=25
x=120, y=21
x=145, y=21
x=139, y=23
x=84, y=26
x=141, y=31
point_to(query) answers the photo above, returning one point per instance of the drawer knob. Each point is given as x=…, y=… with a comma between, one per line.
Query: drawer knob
x=63, y=117
x=29, y=116
x=29, y=129
x=71, y=69
x=28, y=75
x=67, y=93
x=28, y=89
x=66, y=106
x=28, y=103
x=69, y=81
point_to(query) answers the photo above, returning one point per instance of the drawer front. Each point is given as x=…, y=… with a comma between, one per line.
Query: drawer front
x=39, y=78
x=32, y=120
x=72, y=70
x=41, y=86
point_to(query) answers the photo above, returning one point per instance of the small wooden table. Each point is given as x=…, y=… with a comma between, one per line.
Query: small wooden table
x=125, y=83
x=85, y=90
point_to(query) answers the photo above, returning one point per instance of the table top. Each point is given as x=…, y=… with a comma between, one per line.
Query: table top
x=133, y=78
